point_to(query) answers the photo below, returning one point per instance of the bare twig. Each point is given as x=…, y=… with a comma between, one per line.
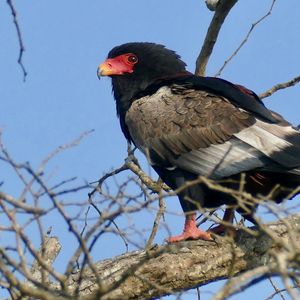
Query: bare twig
x=240, y=283
x=110, y=221
x=198, y=293
x=62, y=148
x=245, y=39
x=279, y=86
x=106, y=176
x=147, y=180
x=18, y=203
x=159, y=214
x=21, y=235
x=132, y=165
x=221, y=13
x=20, y=39
x=277, y=290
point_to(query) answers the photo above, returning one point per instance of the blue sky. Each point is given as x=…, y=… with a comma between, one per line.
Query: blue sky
x=62, y=96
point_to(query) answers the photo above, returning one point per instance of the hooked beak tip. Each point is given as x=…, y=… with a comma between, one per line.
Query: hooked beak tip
x=99, y=73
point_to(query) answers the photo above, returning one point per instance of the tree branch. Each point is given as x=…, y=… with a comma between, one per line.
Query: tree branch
x=171, y=268
x=221, y=13
x=244, y=41
x=20, y=39
x=49, y=251
x=279, y=86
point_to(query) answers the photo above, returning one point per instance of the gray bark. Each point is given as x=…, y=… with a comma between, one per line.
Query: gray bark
x=171, y=268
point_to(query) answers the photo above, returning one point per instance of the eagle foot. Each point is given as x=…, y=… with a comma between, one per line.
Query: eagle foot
x=196, y=234
x=191, y=231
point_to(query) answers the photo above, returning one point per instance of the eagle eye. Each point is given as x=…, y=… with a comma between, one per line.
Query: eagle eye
x=132, y=59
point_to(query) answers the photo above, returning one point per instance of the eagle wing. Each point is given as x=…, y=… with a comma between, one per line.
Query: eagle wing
x=207, y=134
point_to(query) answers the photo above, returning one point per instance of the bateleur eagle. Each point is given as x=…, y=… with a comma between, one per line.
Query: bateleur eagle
x=188, y=125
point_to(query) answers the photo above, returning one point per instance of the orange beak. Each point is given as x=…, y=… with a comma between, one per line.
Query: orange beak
x=106, y=69
x=113, y=66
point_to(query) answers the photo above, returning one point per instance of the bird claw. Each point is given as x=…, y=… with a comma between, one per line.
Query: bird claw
x=219, y=229
x=223, y=230
x=195, y=234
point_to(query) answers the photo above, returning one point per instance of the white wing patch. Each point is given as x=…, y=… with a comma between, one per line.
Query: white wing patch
x=217, y=161
x=271, y=140
x=257, y=146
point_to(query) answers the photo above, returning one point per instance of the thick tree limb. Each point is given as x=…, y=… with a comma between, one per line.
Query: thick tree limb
x=212, y=4
x=221, y=13
x=167, y=269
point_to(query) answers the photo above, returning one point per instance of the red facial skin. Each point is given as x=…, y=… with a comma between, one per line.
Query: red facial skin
x=118, y=65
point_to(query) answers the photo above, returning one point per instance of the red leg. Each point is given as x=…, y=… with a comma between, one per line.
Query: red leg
x=190, y=231
x=222, y=228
